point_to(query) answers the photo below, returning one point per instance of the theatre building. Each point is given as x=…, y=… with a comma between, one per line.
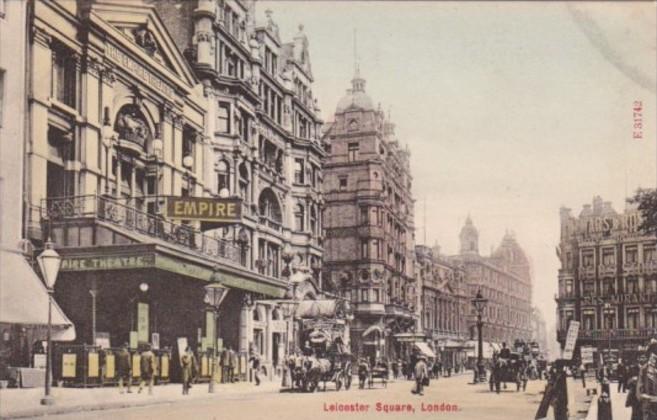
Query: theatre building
x=607, y=280
x=118, y=122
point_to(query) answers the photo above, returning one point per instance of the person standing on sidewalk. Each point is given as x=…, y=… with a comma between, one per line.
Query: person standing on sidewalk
x=255, y=365
x=147, y=369
x=421, y=374
x=187, y=362
x=621, y=372
x=647, y=383
x=123, y=368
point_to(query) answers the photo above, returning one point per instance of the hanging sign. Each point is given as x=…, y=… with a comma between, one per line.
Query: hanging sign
x=227, y=210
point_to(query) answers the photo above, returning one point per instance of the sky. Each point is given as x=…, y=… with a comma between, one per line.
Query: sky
x=510, y=109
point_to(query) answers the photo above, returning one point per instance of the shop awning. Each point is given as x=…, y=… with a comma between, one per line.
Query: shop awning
x=24, y=298
x=424, y=349
x=371, y=329
x=487, y=348
x=316, y=309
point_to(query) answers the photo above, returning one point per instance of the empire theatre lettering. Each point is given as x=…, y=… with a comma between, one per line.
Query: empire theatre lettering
x=204, y=209
x=139, y=71
x=107, y=263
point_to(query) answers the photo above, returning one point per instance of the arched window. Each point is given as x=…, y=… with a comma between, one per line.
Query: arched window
x=269, y=207
x=223, y=176
x=299, y=218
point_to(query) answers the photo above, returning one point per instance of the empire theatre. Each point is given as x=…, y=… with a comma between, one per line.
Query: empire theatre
x=122, y=176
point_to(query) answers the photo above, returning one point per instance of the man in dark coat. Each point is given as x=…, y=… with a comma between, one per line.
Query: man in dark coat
x=421, y=374
x=187, y=362
x=232, y=364
x=223, y=362
x=123, y=368
x=647, y=383
x=621, y=372
x=255, y=365
x=147, y=368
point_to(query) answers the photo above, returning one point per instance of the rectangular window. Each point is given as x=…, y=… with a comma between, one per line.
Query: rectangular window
x=223, y=118
x=632, y=318
x=375, y=249
x=364, y=216
x=648, y=253
x=298, y=171
x=377, y=295
x=352, y=151
x=343, y=183
x=632, y=285
x=651, y=319
x=608, y=257
x=64, y=77
x=364, y=295
x=631, y=256
x=363, y=249
x=569, y=287
x=587, y=260
x=589, y=288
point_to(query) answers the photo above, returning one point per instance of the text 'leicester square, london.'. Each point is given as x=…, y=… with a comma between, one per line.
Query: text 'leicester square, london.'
x=178, y=165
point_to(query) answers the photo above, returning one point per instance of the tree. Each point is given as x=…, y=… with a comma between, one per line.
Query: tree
x=647, y=205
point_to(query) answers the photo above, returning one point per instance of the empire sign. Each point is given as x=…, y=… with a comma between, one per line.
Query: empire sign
x=225, y=210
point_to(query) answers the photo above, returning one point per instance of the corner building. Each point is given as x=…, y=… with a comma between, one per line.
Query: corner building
x=607, y=279
x=368, y=223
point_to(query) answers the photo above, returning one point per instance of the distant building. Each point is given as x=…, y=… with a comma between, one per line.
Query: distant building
x=504, y=279
x=368, y=222
x=539, y=330
x=444, y=304
x=607, y=279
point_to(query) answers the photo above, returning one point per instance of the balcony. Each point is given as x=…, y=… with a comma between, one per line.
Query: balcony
x=632, y=268
x=92, y=208
x=650, y=267
x=638, y=333
x=270, y=223
x=587, y=271
x=564, y=296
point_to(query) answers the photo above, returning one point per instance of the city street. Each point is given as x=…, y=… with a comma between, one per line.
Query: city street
x=465, y=401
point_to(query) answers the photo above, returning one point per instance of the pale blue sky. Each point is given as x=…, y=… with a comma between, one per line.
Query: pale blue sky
x=510, y=109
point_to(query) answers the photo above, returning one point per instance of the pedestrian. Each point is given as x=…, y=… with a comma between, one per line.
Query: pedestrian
x=647, y=383
x=621, y=372
x=255, y=365
x=632, y=399
x=223, y=362
x=233, y=365
x=604, y=407
x=421, y=374
x=582, y=372
x=123, y=368
x=147, y=369
x=187, y=362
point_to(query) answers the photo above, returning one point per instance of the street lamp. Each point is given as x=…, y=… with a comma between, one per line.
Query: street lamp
x=49, y=263
x=479, y=303
x=215, y=292
x=609, y=312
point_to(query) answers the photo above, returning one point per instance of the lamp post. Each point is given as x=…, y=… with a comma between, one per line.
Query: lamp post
x=479, y=303
x=609, y=312
x=49, y=263
x=215, y=292
x=288, y=307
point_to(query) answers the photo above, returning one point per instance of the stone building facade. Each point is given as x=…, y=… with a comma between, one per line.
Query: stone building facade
x=368, y=223
x=607, y=279
x=263, y=134
x=504, y=278
x=444, y=305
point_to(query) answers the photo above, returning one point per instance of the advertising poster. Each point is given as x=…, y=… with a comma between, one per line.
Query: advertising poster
x=335, y=209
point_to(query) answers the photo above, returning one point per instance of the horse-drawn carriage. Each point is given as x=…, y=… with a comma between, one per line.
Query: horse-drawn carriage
x=507, y=370
x=323, y=362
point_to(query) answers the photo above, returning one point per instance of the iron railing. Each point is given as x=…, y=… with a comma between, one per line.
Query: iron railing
x=133, y=219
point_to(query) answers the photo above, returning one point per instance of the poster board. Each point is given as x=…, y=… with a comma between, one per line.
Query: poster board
x=69, y=364
x=92, y=365
x=587, y=355
x=571, y=339
x=110, y=370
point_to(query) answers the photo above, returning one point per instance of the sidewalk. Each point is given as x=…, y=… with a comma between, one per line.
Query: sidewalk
x=618, y=409
x=20, y=403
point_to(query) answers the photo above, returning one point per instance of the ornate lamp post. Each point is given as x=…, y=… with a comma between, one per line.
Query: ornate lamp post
x=479, y=303
x=609, y=312
x=49, y=263
x=215, y=293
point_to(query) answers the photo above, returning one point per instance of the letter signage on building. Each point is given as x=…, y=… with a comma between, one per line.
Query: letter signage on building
x=227, y=210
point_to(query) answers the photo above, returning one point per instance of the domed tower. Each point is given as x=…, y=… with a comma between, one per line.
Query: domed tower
x=469, y=238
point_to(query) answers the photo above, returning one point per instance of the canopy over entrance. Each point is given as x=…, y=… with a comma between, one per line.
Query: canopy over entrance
x=424, y=349
x=24, y=298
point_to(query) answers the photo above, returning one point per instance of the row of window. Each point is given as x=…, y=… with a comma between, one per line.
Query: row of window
x=609, y=320
x=306, y=175
x=611, y=286
x=608, y=256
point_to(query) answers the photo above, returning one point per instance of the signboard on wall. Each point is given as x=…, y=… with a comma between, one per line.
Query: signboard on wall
x=142, y=322
x=571, y=339
x=587, y=355
x=226, y=210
